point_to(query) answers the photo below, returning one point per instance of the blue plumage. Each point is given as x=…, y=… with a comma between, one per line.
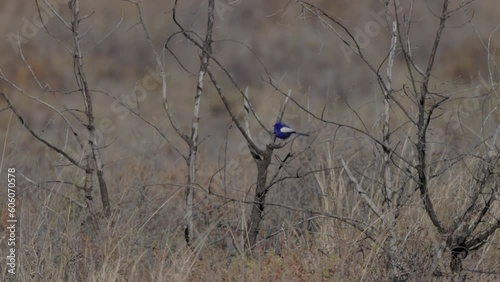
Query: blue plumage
x=283, y=131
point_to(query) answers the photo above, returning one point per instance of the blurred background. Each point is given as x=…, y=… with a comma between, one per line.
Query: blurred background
x=299, y=52
x=255, y=41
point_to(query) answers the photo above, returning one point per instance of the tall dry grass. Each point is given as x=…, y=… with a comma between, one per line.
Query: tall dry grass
x=143, y=240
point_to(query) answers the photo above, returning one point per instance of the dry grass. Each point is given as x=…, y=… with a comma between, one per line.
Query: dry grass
x=143, y=241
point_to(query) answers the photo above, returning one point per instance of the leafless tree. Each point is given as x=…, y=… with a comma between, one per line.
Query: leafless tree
x=90, y=161
x=476, y=221
x=405, y=167
x=262, y=156
x=192, y=138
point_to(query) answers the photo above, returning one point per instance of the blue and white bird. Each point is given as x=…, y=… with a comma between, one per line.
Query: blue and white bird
x=283, y=131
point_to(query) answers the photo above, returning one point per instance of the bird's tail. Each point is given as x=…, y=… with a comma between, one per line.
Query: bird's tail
x=301, y=134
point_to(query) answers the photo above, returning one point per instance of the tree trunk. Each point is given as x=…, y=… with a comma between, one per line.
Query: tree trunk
x=261, y=190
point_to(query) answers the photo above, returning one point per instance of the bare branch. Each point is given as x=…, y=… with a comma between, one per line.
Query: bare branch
x=362, y=191
x=34, y=134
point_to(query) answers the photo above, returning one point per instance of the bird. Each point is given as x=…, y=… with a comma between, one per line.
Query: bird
x=283, y=131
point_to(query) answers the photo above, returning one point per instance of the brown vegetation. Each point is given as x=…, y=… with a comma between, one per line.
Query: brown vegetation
x=397, y=181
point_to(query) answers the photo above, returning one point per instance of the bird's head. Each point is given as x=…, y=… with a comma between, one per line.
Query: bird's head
x=278, y=125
